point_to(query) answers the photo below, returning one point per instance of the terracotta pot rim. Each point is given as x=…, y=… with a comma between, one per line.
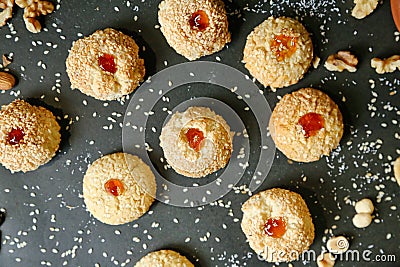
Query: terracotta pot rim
x=395, y=6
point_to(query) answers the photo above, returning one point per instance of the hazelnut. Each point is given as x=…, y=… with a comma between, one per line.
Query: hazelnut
x=396, y=167
x=362, y=220
x=326, y=260
x=364, y=206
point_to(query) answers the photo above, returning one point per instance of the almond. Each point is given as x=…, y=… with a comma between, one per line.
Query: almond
x=7, y=81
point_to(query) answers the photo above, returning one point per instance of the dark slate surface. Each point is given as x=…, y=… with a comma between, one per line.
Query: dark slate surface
x=46, y=222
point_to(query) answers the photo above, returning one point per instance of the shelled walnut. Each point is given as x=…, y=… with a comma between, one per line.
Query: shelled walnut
x=6, y=13
x=386, y=65
x=315, y=62
x=363, y=8
x=33, y=9
x=343, y=60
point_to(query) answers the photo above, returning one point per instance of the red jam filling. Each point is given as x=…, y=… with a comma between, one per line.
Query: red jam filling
x=195, y=137
x=199, y=20
x=284, y=46
x=311, y=123
x=107, y=63
x=15, y=136
x=275, y=227
x=114, y=186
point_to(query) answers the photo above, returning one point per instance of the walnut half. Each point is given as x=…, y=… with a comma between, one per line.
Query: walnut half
x=363, y=8
x=33, y=9
x=6, y=13
x=386, y=65
x=343, y=60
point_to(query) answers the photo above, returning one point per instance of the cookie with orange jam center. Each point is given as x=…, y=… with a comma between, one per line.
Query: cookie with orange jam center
x=29, y=136
x=306, y=124
x=105, y=65
x=196, y=142
x=194, y=28
x=118, y=188
x=277, y=224
x=278, y=52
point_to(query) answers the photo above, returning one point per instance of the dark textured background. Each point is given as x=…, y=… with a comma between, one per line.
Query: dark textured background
x=46, y=221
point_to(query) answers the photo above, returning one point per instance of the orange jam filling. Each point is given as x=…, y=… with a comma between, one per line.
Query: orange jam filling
x=275, y=227
x=195, y=137
x=114, y=186
x=15, y=136
x=199, y=20
x=284, y=46
x=311, y=123
x=107, y=63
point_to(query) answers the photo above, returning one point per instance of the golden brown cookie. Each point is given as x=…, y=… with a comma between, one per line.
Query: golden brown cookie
x=278, y=225
x=278, y=52
x=196, y=142
x=118, y=188
x=306, y=125
x=164, y=258
x=105, y=65
x=29, y=136
x=194, y=28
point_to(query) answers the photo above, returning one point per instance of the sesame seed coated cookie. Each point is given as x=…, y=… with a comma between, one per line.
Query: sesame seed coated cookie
x=278, y=52
x=278, y=225
x=164, y=258
x=196, y=142
x=29, y=136
x=194, y=28
x=118, y=188
x=105, y=65
x=306, y=125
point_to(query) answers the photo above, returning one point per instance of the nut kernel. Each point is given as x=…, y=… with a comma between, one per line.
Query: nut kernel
x=6, y=12
x=364, y=206
x=32, y=10
x=396, y=168
x=386, y=65
x=326, y=260
x=342, y=60
x=362, y=220
x=363, y=8
x=7, y=81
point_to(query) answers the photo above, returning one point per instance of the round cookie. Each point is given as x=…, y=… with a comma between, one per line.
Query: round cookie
x=29, y=136
x=164, y=258
x=306, y=125
x=196, y=142
x=278, y=52
x=105, y=65
x=278, y=225
x=194, y=28
x=118, y=188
